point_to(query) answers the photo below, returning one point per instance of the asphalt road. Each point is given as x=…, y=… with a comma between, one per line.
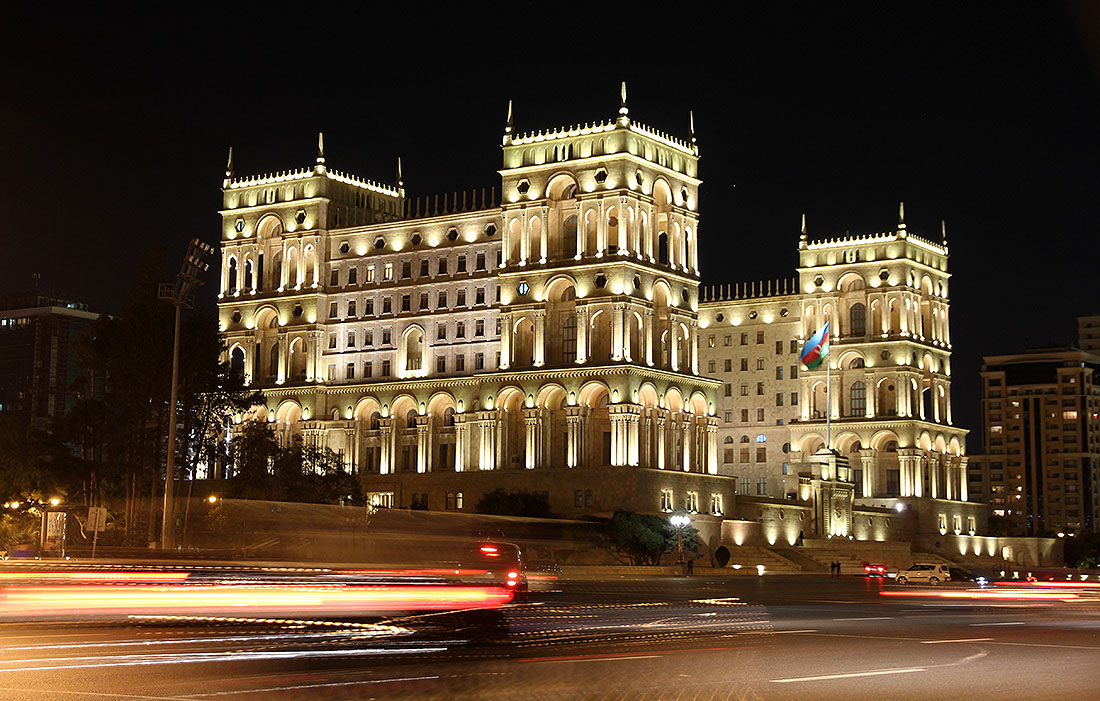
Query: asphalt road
x=661, y=637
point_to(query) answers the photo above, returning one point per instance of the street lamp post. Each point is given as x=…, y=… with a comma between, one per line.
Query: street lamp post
x=180, y=294
x=680, y=521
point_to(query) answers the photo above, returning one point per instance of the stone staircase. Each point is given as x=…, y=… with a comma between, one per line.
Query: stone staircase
x=748, y=557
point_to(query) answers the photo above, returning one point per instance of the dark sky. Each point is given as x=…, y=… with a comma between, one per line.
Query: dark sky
x=114, y=127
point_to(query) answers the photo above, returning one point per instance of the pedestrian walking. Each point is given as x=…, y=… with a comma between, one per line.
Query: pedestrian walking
x=691, y=566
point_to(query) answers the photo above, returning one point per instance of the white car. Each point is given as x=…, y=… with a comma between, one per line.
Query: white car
x=922, y=572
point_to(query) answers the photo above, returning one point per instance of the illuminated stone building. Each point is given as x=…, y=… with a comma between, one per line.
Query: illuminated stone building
x=449, y=345
x=886, y=297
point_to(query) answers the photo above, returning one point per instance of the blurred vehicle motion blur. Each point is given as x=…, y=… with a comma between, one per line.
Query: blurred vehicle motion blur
x=496, y=563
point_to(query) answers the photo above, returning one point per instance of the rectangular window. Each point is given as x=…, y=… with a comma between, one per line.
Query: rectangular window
x=779, y=372
x=386, y=306
x=479, y=361
x=351, y=308
x=368, y=338
x=461, y=300
x=441, y=268
x=368, y=307
x=334, y=278
x=351, y=339
x=729, y=416
x=406, y=269
x=759, y=337
x=423, y=267
x=332, y=340
x=461, y=267
x=351, y=371
x=423, y=301
x=497, y=293
x=460, y=363
x=692, y=502
x=387, y=271
x=779, y=399
x=353, y=276
x=479, y=327
x=406, y=303
x=729, y=455
x=498, y=360
x=760, y=389
x=744, y=455
x=368, y=369
x=728, y=389
x=441, y=303
x=710, y=341
x=385, y=368
x=441, y=364
x=759, y=363
x=729, y=364
x=744, y=389
x=794, y=346
x=728, y=340
x=794, y=398
x=332, y=372
x=759, y=415
x=794, y=372
x=479, y=262
x=744, y=338
x=460, y=329
x=779, y=347
x=716, y=504
x=479, y=296
x=498, y=327
x=666, y=500
x=386, y=336
x=761, y=455
x=441, y=332
x=332, y=310
x=761, y=486
x=745, y=415
x=710, y=367
x=744, y=364
x=370, y=273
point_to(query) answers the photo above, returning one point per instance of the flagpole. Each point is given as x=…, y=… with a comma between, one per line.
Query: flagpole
x=828, y=405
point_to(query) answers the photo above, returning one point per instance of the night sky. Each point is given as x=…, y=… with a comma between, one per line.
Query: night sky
x=114, y=130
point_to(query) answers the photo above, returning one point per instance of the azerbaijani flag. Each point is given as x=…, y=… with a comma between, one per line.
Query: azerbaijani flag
x=816, y=349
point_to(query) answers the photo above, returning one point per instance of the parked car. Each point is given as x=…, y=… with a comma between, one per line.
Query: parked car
x=874, y=570
x=924, y=572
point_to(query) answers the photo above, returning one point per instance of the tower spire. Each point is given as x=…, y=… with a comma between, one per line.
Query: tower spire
x=802, y=235
x=623, y=109
x=691, y=125
x=320, y=147
x=901, y=216
x=943, y=231
x=508, y=127
x=228, y=168
x=400, y=178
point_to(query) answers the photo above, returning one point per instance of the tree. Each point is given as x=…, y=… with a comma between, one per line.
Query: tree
x=515, y=503
x=642, y=539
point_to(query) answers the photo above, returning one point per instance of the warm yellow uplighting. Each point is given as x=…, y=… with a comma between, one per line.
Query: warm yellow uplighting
x=212, y=499
x=54, y=501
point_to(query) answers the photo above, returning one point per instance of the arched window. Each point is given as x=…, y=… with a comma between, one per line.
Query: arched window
x=410, y=418
x=857, y=320
x=855, y=364
x=375, y=421
x=232, y=275
x=744, y=439
x=458, y=500
x=273, y=364
x=236, y=362
x=569, y=339
x=248, y=275
x=569, y=237
x=729, y=439
x=449, y=416
x=858, y=404
x=662, y=248
x=761, y=438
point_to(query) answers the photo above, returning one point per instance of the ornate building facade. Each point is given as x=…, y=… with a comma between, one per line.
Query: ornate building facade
x=553, y=332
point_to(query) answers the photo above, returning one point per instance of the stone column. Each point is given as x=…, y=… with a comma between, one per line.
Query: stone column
x=673, y=344
x=964, y=490
x=647, y=334
x=616, y=332
x=628, y=352
x=624, y=434
x=461, y=441
x=582, y=335
x=524, y=239
x=532, y=424
x=685, y=426
x=385, y=439
x=834, y=393
x=574, y=436
x=281, y=367
x=423, y=444
x=712, y=445
x=693, y=340
x=869, y=459
x=544, y=233
x=487, y=421
x=662, y=439
x=540, y=338
x=505, y=340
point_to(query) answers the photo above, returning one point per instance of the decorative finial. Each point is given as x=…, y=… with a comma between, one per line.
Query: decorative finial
x=802, y=237
x=320, y=148
x=623, y=110
x=691, y=124
x=901, y=216
x=508, y=127
x=229, y=165
x=943, y=231
x=400, y=177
